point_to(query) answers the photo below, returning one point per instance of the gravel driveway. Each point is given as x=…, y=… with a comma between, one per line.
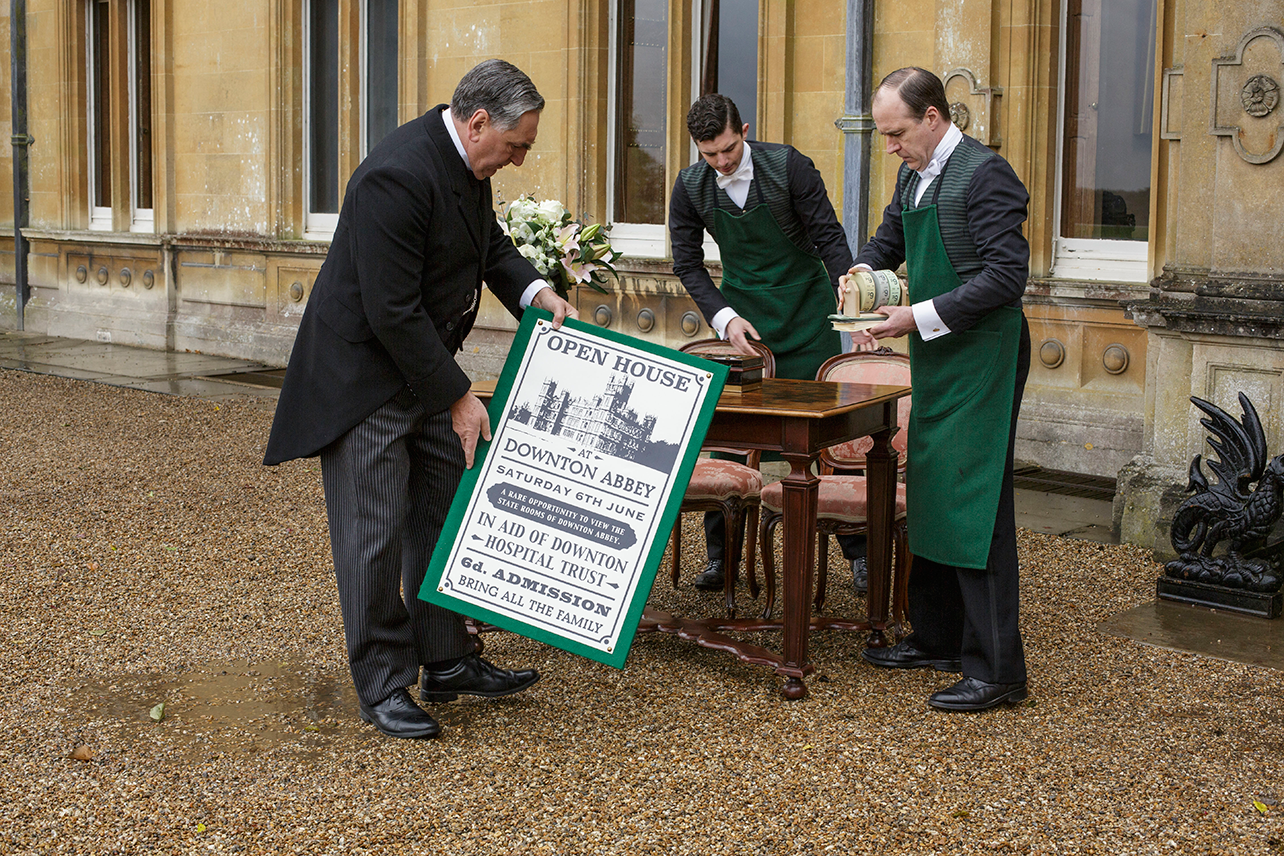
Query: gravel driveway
x=146, y=558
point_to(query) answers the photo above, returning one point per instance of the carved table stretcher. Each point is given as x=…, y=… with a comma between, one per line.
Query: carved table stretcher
x=797, y=419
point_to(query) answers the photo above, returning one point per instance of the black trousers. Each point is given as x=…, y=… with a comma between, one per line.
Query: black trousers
x=389, y=483
x=971, y=612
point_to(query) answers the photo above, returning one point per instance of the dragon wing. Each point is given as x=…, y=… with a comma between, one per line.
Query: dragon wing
x=1240, y=448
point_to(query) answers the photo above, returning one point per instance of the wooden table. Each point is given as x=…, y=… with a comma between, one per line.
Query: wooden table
x=797, y=419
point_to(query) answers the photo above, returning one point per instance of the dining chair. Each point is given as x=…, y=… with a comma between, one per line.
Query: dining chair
x=841, y=503
x=727, y=486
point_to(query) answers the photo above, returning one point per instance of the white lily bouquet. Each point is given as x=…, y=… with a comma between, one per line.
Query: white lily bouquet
x=561, y=248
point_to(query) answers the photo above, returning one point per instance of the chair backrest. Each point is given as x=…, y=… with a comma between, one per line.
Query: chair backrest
x=720, y=347
x=704, y=347
x=883, y=366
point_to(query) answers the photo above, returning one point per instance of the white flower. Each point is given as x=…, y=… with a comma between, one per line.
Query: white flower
x=561, y=248
x=534, y=256
x=521, y=209
x=552, y=210
x=522, y=233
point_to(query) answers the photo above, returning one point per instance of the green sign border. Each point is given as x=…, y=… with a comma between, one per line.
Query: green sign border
x=668, y=514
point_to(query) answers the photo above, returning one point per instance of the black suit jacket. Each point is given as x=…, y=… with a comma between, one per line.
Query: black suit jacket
x=398, y=291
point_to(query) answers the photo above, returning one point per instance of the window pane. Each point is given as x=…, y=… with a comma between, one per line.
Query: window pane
x=143, y=103
x=730, y=62
x=381, y=69
x=640, y=113
x=1106, y=162
x=323, y=106
x=99, y=89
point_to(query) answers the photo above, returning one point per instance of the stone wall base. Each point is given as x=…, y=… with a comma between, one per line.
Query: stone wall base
x=1146, y=499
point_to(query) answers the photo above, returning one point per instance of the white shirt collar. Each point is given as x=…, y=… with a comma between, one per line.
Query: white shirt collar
x=454, y=136
x=945, y=148
x=744, y=172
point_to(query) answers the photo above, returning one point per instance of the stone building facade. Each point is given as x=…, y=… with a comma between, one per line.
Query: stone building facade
x=188, y=157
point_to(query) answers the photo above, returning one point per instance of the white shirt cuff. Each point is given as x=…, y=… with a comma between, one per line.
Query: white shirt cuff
x=930, y=326
x=722, y=319
x=528, y=296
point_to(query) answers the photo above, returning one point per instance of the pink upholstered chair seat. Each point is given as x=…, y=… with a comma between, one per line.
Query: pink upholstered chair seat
x=840, y=498
x=721, y=480
x=841, y=506
x=727, y=487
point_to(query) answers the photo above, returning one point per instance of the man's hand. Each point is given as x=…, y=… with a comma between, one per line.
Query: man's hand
x=546, y=298
x=842, y=290
x=469, y=419
x=843, y=287
x=900, y=322
x=737, y=333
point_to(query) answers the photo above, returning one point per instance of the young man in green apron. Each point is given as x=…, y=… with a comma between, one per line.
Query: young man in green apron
x=782, y=251
x=955, y=221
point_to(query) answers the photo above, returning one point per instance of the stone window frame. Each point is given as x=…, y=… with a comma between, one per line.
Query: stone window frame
x=1088, y=259
x=119, y=116
x=351, y=124
x=685, y=49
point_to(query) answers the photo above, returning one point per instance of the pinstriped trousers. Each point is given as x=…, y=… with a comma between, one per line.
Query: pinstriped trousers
x=388, y=486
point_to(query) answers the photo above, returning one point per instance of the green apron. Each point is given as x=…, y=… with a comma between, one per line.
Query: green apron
x=962, y=413
x=783, y=292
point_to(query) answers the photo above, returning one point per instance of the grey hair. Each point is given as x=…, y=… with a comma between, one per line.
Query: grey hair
x=501, y=89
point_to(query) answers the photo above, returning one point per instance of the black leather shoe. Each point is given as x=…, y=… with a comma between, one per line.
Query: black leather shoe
x=971, y=694
x=399, y=716
x=860, y=575
x=712, y=578
x=473, y=676
x=903, y=655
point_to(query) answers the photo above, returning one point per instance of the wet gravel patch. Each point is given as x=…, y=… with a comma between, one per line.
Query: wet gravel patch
x=146, y=558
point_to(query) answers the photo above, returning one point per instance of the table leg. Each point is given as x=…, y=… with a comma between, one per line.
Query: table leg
x=799, y=498
x=880, y=487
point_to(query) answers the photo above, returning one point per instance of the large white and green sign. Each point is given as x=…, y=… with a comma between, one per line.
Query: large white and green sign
x=558, y=530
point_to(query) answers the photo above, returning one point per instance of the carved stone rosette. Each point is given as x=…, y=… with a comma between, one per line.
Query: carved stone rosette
x=1246, y=92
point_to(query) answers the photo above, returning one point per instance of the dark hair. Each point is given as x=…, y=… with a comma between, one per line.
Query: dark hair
x=919, y=89
x=501, y=89
x=712, y=114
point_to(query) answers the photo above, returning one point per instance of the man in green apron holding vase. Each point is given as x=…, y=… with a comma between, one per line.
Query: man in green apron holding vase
x=955, y=221
x=782, y=249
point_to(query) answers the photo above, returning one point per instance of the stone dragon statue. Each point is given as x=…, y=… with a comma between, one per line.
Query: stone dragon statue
x=1227, y=510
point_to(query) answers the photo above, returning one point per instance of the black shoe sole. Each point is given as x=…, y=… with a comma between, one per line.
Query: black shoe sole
x=710, y=586
x=428, y=733
x=450, y=695
x=951, y=666
x=1010, y=698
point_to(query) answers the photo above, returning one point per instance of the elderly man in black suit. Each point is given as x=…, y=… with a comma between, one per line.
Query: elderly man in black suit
x=373, y=387
x=955, y=221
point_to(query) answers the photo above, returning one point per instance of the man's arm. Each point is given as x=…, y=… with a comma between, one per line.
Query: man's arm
x=686, y=236
x=813, y=206
x=996, y=207
x=886, y=250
